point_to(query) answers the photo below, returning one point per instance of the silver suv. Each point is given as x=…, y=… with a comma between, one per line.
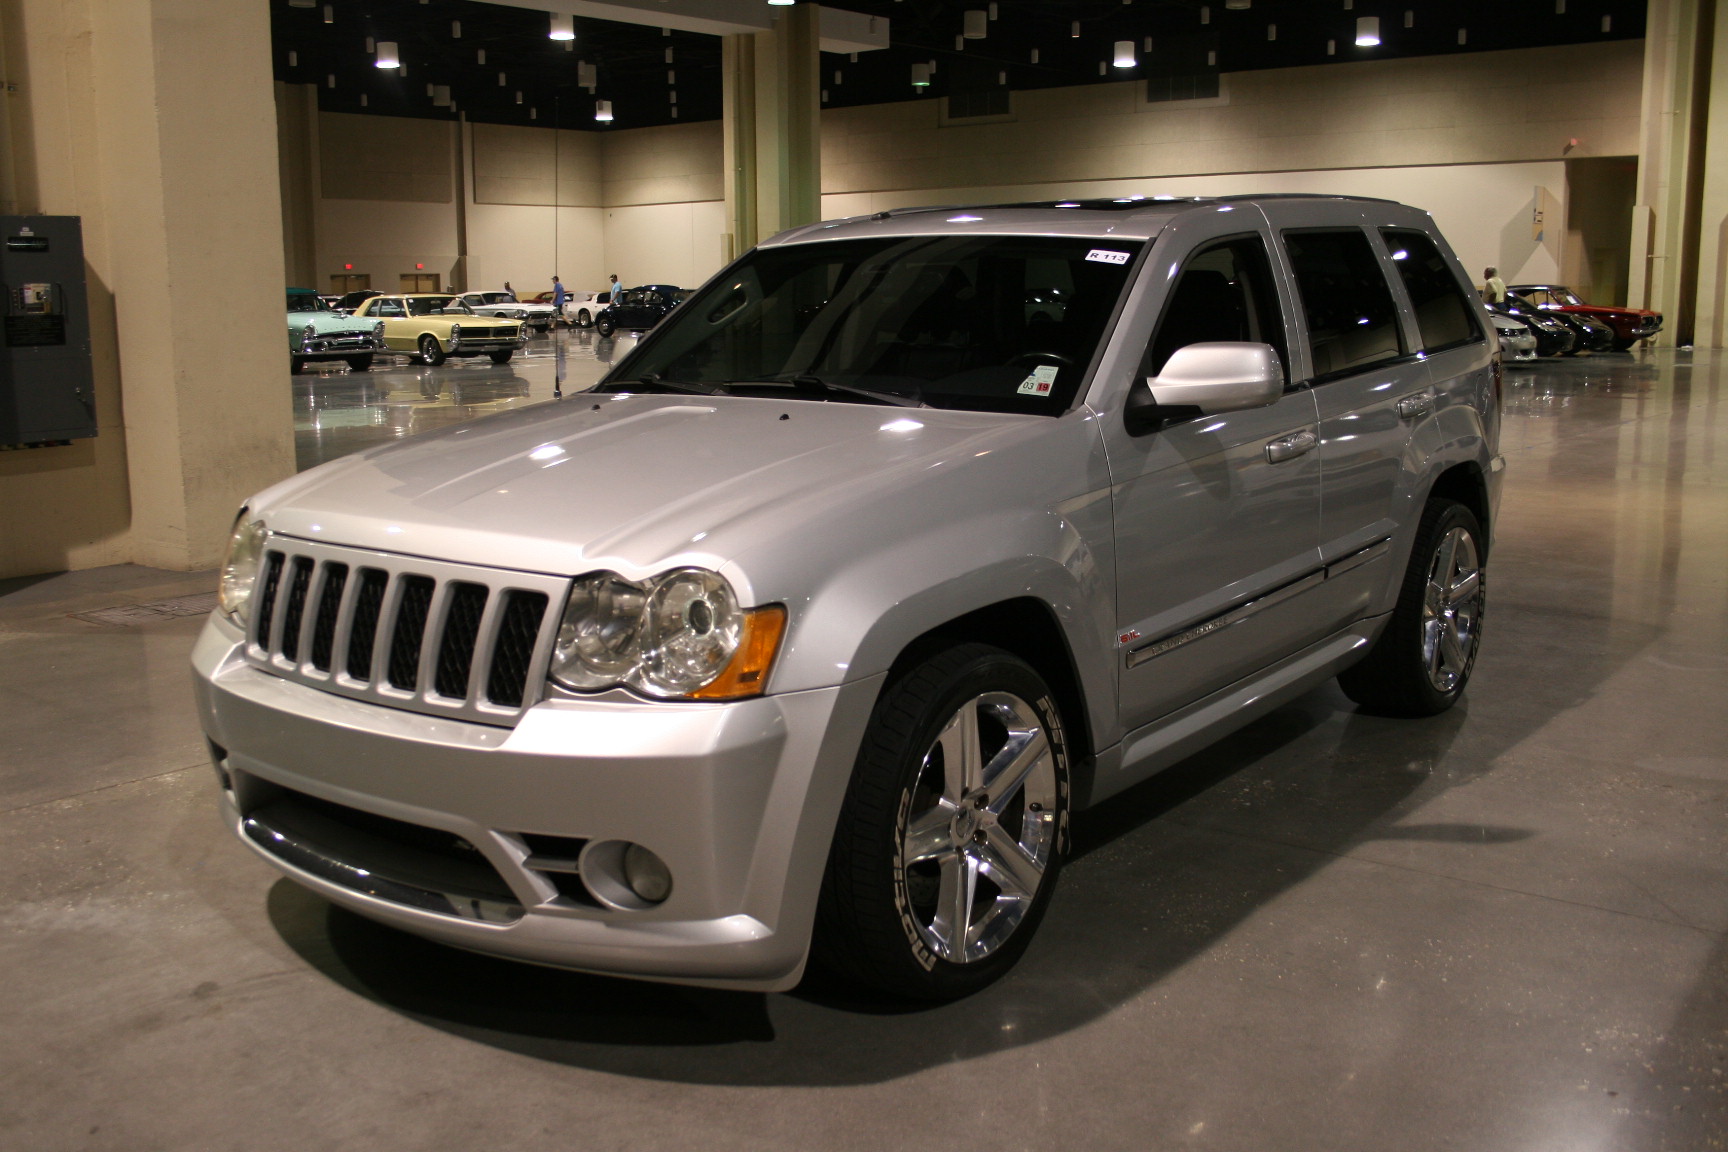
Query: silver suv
x=803, y=634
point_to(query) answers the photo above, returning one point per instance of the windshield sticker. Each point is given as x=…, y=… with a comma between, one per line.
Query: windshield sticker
x=1043, y=378
x=1105, y=256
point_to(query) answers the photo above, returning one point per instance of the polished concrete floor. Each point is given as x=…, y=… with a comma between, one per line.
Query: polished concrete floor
x=1501, y=929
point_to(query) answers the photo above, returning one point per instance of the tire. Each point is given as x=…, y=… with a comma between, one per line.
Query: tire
x=502, y=355
x=584, y=319
x=1624, y=345
x=430, y=351
x=904, y=850
x=360, y=363
x=296, y=365
x=603, y=325
x=1423, y=659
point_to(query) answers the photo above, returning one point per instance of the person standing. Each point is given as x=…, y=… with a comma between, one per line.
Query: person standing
x=1493, y=288
x=509, y=291
x=612, y=290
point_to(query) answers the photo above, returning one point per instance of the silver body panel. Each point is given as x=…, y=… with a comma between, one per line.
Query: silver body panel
x=1198, y=575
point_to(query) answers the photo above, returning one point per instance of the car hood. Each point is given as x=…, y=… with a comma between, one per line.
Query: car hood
x=325, y=323
x=631, y=483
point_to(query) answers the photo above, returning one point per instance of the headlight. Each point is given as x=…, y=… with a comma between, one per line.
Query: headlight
x=378, y=331
x=306, y=335
x=680, y=635
x=240, y=566
x=455, y=336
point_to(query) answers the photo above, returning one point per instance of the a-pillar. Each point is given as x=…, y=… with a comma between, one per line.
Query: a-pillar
x=773, y=145
x=154, y=121
x=1666, y=216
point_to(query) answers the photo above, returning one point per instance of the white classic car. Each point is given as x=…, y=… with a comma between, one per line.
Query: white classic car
x=540, y=317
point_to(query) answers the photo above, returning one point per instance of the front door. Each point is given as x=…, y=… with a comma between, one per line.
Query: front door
x=1217, y=517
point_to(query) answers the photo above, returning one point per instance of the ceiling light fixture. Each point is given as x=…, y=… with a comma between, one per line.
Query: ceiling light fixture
x=1409, y=18
x=1124, y=54
x=363, y=100
x=563, y=27
x=1148, y=45
x=1238, y=5
x=975, y=23
x=479, y=55
x=1367, y=31
x=1205, y=13
x=500, y=79
x=293, y=58
x=920, y=75
x=782, y=3
x=329, y=14
x=455, y=29
x=441, y=95
x=1074, y=30
x=1463, y=35
x=603, y=111
x=330, y=80
x=1607, y=23
x=370, y=47
x=1271, y=31
x=386, y=55
x=587, y=75
x=992, y=11
x=1034, y=55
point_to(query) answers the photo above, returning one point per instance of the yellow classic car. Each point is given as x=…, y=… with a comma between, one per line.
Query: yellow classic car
x=436, y=325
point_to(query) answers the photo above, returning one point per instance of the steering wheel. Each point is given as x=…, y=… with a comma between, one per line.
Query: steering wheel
x=1028, y=357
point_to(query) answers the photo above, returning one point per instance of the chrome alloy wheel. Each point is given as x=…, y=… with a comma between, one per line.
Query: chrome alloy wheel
x=978, y=827
x=1451, y=610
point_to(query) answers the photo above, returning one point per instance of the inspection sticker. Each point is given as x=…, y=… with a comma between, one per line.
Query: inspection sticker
x=1105, y=256
x=1040, y=382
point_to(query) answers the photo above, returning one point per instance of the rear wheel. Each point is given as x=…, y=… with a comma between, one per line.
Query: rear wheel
x=430, y=351
x=360, y=363
x=603, y=325
x=502, y=355
x=1423, y=659
x=952, y=831
x=584, y=319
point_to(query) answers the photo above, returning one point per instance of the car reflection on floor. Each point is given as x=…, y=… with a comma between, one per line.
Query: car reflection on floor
x=337, y=411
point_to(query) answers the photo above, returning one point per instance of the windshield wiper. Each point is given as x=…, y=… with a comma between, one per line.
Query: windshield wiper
x=812, y=383
x=655, y=380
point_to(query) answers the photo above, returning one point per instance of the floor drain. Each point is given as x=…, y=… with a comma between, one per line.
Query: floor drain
x=127, y=615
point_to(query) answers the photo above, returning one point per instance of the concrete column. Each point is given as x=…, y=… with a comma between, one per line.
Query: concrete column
x=1712, y=325
x=154, y=120
x=1665, y=225
x=773, y=127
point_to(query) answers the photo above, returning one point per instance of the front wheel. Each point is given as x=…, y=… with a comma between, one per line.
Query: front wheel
x=360, y=363
x=1422, y=661
x=430, y=351
x=1624, y=345
x=502, y=355
x=952, y=830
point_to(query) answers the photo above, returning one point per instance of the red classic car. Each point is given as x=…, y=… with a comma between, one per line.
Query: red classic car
x=1630, y=324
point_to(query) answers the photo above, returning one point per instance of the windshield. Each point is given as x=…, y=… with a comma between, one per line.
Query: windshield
x=949, y=320
x=306, y=302
x=437, y=306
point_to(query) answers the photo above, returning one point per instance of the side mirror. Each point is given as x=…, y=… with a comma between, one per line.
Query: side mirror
x=1219, y=377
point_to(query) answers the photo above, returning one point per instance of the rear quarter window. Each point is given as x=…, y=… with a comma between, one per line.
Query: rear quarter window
x=1444, y=315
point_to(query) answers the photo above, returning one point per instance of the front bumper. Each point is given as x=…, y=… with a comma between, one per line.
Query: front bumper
x=341, y=344
x=739, y=799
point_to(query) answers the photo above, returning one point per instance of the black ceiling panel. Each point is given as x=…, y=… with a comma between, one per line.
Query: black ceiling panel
x=1072, y=39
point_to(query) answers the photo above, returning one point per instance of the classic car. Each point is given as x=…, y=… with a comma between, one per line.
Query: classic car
x=352, y=300
x=318, y=332
x=436, y=325
x=1589, y=333
x=507, y=307
x=1630, y=325
x=1553, y=336
x=640, y=308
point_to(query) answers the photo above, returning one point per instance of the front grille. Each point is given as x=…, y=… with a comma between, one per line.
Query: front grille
x=445, y=639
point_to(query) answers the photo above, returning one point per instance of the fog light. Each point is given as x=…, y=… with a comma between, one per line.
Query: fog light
x=646, y=874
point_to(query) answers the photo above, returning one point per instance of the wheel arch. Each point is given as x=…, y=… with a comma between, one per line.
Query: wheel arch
x=1467, y=484
x=1028, y=628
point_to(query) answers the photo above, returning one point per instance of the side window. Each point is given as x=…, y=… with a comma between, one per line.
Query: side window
x=1352, y=322
x=1225, y=292
x=1443, y=312
x=388, y=308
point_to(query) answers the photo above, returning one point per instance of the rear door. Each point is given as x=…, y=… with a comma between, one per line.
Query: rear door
x=1217, y=517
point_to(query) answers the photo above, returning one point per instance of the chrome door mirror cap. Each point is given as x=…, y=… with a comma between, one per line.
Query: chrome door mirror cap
x=1219, y=377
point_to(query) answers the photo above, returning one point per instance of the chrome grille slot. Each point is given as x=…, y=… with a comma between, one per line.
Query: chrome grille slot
x=445, y=639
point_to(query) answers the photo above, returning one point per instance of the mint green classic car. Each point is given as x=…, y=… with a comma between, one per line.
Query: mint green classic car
x=317, y=331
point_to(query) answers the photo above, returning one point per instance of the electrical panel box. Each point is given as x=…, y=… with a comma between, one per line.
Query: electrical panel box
x=47, y=392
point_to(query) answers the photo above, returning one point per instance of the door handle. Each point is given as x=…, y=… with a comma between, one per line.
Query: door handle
x=1414, y=407
x=1291, y=446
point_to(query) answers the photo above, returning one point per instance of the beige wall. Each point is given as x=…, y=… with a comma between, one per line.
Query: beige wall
x=1477, y=139
x=107, y=121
